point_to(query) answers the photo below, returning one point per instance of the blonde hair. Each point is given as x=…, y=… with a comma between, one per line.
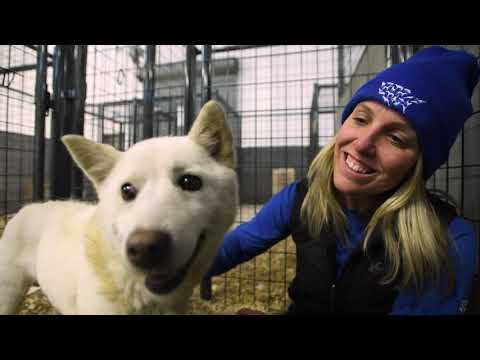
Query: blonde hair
x=416, y=242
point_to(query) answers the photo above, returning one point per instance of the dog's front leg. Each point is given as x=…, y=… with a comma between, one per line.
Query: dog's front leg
x=14, y=284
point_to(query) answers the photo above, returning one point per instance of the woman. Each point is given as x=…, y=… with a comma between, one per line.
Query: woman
x=370, y=238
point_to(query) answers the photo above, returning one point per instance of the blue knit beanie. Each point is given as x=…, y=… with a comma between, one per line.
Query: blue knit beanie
x=433, y=90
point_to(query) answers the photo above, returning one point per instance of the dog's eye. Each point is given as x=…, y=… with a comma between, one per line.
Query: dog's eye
x=190, y=182
x=128, y=192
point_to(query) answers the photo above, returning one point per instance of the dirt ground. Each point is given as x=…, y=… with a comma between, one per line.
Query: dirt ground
x=259, y=284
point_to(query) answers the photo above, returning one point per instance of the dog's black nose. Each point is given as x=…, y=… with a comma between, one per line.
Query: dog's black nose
x=149, y=249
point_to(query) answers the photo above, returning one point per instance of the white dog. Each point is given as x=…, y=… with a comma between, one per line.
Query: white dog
x=164, y=206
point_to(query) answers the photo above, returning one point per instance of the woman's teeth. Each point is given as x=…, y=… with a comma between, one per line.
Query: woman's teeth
x=353, y=165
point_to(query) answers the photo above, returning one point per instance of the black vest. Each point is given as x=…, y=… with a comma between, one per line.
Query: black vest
x=315, y=289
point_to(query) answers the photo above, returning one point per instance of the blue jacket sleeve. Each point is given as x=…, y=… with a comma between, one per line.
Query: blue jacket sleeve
x=270, y=225
x=463, y=254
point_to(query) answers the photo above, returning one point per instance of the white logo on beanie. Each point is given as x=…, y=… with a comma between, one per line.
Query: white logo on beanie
x=398, y=95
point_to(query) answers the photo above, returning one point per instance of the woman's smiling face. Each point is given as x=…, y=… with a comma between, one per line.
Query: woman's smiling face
x=376, y=148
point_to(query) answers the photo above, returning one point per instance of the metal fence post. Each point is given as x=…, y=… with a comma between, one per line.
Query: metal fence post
x=395, y=54
x=313, y=148
x=190, y=86
x=134, y=136
x=79, y=71
x=206, y=284
x=341, y=71
x=69, y=92
x=41, y=108
x=207, y=73
x=149, y=92
x=60, y=165
x=101, y=122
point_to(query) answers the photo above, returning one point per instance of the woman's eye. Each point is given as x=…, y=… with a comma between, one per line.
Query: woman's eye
x=128, y=191
x=396, y=140
x=189, y=182
x=359, y=120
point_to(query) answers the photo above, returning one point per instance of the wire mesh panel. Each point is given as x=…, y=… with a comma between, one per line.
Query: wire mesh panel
x=281, y=101
x=460, y=175
x=115, y=94
x=287, y=103
x=115, y=79
x=17, y=124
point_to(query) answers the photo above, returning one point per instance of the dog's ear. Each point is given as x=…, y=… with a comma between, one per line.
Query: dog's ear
x=95, y=160
x=211, y=131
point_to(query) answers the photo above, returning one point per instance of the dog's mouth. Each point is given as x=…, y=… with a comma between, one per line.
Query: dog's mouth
x=164, y=283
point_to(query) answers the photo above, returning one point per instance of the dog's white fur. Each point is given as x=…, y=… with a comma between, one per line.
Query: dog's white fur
x=76, y=251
